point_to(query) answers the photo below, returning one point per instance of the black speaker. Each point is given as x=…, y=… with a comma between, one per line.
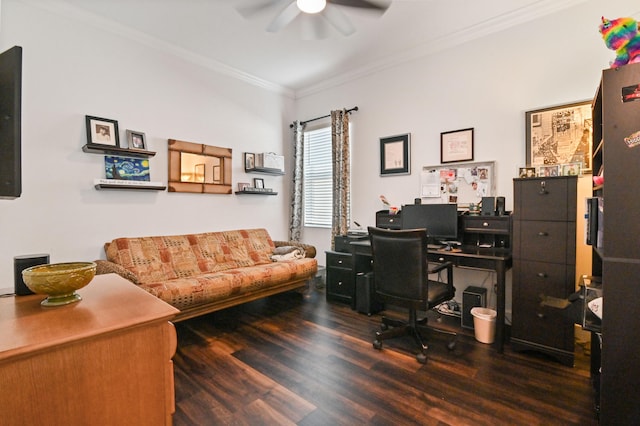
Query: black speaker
x=488, y=206
x=473, y=296
x=366, y=302
x=500, y=206
x=20, y=263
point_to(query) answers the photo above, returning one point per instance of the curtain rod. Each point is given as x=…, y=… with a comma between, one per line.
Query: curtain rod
x=355, y=108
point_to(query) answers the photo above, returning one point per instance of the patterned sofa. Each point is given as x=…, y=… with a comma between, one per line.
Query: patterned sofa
x=202, y=273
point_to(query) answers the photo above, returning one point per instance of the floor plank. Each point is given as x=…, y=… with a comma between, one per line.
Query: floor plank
x=295, y=359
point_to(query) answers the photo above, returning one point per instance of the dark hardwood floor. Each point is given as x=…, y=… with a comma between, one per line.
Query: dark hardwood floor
x=294, y=359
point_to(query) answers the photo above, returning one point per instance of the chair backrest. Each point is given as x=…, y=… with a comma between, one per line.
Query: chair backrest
x=400, y=265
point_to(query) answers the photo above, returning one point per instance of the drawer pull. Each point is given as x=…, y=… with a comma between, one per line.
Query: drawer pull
x=339, y=262
x=339, y=283
x=485, y=224
x=540, y=315
x=543, y=188
x=390, y=220
x=543, y=234
x=542, y=275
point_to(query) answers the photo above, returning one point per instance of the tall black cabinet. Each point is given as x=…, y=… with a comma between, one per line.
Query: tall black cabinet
x=544, y=265
x=616, y=114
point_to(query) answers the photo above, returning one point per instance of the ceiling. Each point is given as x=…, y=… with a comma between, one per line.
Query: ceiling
x=213, y=33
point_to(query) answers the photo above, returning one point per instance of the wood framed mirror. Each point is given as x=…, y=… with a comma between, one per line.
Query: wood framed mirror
x=199, y=168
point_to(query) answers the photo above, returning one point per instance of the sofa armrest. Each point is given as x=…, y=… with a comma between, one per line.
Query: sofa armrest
x=106, y=267
x=309, y=250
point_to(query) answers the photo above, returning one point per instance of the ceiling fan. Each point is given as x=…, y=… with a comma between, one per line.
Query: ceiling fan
x=313, y=14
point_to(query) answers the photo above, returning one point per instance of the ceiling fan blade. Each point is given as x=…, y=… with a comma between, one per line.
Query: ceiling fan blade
x=339, y=20
x=313, y=27
x=379, y=6
x=284, y=18
x=252, y=8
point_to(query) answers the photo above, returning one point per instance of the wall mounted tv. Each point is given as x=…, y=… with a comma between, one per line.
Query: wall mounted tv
x=10, y=122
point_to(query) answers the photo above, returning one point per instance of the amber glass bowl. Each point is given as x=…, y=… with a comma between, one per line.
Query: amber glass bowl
x=59, y=281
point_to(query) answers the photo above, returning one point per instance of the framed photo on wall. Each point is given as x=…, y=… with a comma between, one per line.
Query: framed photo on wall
x=249, y=161
x=102, y=131
x=395, y=157
x=456, y=145
x=559, y=135
x=136, y=140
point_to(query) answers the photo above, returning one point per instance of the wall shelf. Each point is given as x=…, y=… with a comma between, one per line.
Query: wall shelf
x=253, y=192
x=114, y=150
x=266, y=171
x=148, y=186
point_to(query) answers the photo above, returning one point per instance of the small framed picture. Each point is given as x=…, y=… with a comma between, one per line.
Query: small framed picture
x=136, y=140
x=572, y=169
x=258, y=183
x=242, y=186
x=456, y=145
x=527, y=172
x=249, y=161
x=548, y=171
x=102, y=131
x=395, y=155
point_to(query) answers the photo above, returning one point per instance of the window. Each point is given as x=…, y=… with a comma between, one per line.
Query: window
x=318, y=178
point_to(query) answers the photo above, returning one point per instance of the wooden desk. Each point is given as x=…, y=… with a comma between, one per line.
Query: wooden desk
x=104, y=360
x=491, y=259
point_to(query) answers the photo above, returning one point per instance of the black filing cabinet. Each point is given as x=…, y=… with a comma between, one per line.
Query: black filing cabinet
x=544, y=258
x=340, y=280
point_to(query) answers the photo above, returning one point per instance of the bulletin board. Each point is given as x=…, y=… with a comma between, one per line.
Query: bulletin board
x=461, y=183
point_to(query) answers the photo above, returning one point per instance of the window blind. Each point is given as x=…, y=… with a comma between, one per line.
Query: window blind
x=317, y=178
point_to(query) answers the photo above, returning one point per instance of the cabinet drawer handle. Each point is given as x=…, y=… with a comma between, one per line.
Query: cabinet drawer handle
x=485, y=224
x=540, y=315
x=543, y=234
x=543, y=188
x=390, y=220
x=339, y=262
x=542, y=275
x=339, y=283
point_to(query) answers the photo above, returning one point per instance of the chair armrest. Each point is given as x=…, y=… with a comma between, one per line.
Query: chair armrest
x=106, y=267
x=309, y=250
x=437, y=267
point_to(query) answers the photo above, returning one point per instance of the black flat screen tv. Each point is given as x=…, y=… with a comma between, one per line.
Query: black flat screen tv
x=440, y=220
x=10, y=123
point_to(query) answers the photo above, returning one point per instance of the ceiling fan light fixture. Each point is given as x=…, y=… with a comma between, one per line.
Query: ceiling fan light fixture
x=311, y=6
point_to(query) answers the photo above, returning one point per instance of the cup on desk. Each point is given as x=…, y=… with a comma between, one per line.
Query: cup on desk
x=393, y=210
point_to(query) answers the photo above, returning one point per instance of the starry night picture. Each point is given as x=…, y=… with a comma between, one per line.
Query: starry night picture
x=126, y=168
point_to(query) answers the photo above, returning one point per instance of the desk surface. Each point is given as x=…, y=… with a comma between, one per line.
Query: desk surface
x=471, y=251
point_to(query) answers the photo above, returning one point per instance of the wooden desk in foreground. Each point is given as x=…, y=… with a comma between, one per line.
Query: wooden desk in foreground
x=104, y=360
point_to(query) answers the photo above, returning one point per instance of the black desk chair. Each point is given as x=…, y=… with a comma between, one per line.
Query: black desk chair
x=401, y=277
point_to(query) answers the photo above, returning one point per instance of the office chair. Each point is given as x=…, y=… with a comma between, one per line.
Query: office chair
x=401, y=277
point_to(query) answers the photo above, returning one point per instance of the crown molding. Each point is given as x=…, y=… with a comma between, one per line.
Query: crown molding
x=482, y=29
x=72, y=12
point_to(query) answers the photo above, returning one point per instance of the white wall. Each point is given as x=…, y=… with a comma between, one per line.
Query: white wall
x=487, y=84
x=72, y=69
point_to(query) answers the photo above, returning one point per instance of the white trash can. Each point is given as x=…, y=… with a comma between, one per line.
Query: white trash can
x=484, y=324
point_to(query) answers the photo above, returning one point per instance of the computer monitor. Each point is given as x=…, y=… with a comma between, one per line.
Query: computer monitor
x=440, y=220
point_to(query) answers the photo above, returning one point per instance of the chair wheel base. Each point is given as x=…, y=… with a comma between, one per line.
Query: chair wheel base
x=422, y=358
x=377, y=344
x=451, y=345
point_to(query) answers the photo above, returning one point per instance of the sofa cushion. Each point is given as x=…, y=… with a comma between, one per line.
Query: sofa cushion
x=211, y=287
x=154, y=259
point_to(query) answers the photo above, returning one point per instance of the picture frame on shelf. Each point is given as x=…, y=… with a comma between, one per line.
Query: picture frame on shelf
x=572, y=169
x=456, y=145
x=559, y=135
x=258, y=183
x=548, y=171
x=136, y=140
x=243, y=186
x=102, y=131
x=249, y=161
x=526, y=172
x=395, y=155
